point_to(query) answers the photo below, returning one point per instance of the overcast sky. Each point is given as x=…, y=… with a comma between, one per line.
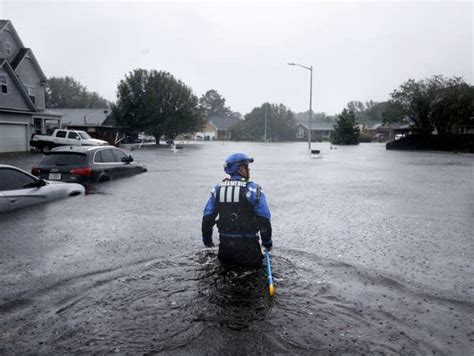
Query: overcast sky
x=360, y=51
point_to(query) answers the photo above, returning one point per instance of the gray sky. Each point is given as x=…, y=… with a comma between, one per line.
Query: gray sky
x=360, y=51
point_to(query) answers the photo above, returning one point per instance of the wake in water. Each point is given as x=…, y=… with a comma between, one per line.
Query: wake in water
x=194, y=305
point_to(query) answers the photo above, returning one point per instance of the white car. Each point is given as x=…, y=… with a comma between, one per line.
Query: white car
x=19, y=189
x=62, y=137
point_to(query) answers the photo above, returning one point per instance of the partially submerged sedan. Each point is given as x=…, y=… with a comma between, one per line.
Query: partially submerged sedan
x=19, y=189
x=86, y=165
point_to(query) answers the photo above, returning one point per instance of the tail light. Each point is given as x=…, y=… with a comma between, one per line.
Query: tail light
x=83, y=172
x=35, y=171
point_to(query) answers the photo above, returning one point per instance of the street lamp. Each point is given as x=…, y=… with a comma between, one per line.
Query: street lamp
x=310, y=98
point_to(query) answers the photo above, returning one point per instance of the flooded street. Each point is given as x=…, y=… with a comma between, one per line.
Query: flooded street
x=373, y=253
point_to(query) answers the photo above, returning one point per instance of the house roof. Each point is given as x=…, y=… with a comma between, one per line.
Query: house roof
x=223, y=123
x=4, y=24
x=22, y=54
x=19, y=57
x=4, y=64
x=82, y=117
x=318, y=125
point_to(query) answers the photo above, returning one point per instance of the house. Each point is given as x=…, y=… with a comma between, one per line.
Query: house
x=217, y=128
x=96, y=122
x=22, y=93
x=320, y=130
x=383, y=132
x=208, y=133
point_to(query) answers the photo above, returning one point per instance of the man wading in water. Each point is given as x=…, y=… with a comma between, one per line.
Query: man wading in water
x=243, y=212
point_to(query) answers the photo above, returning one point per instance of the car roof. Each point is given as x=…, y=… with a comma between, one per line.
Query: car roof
x=8, y=166
x=81, y=149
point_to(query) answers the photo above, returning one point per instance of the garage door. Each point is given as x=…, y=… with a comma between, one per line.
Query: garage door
x=13, y=138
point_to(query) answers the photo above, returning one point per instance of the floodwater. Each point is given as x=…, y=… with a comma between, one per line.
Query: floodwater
x=373, y=253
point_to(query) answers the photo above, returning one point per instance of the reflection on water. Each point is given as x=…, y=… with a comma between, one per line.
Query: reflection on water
x=192, y=304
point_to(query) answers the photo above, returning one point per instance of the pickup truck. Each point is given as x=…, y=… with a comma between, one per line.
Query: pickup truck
x=65, y=138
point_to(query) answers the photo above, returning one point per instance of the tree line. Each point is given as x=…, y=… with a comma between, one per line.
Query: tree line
x=157, y=103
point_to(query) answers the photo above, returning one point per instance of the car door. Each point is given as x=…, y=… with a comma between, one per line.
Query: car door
x=21, y=189
x=104, y=163
x=3, y=203
x=60, y=137
x=124, y=167
x=73, y=138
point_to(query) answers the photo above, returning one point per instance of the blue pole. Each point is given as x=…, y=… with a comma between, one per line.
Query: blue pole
x=271, y=288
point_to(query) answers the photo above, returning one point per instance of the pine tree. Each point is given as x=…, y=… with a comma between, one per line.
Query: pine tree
x=345, y=131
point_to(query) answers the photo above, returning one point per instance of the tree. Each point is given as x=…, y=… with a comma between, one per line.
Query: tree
x=368, y=113
x=346, y=131
x=156, y=103
x=435, y=102
x=281, y=124
x=131, y=110
x=66, y=92
x=213, y=104
x=454, y=105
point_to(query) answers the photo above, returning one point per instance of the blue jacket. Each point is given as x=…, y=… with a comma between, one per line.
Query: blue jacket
x=257, y=200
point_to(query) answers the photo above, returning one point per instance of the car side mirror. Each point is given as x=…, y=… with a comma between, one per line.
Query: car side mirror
x=127, y=159
x=78, y=138
x=41, y=183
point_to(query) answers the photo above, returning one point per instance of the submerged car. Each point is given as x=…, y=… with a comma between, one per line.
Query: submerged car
x=85, y=165
x=19, y=189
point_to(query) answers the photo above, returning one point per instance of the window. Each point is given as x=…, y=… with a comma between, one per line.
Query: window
x=31, y=90
x=98, y=157
x=7, y=47
x=11, y=179
x=107, y=156
x=73, y=135
x=61, y=134
x=4, y=84
x=64, y=160
x=119, y=155
x=84, y=135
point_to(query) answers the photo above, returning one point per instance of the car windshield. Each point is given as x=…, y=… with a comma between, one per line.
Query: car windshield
x=83, y=134
x=61, y=159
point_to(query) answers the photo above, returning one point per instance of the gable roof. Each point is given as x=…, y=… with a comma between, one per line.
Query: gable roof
x=223, y=123
x=22, y=54
x=318, y=125
x=8, y=24
x=19, y=57
x=4, y=64
x=3, y=23
x=82, y=117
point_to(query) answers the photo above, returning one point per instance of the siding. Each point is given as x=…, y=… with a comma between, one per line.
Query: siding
x=29, y=75
x=14, y=99
x=6, y=35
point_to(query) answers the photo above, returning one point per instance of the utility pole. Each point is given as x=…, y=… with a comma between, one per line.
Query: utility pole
x=310, y=99
x=265, y=128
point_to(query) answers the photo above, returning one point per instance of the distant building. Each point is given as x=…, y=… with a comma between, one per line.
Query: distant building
x=22, y=93
x=383, y=132
x=96, y=122
x=320, y=130
x=217, y=128
x=208, y=133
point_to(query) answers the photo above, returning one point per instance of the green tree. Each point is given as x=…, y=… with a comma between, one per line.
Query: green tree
x=435, y=102
x=131, y=111
x=66, y=92
x=454, y=105
x=345, y=131
x=281, y=124
x=156, y=103
x=213, y=104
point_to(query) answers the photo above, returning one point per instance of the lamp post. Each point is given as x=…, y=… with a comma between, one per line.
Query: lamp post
x=310, y=98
